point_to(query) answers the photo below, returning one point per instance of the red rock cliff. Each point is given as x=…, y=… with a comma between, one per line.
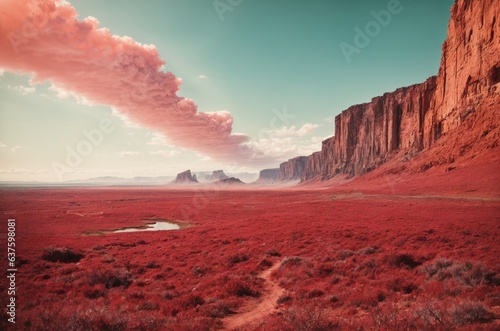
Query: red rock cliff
x=470, y=66
x=293, y=168
x=268, y=176
x=412, y=118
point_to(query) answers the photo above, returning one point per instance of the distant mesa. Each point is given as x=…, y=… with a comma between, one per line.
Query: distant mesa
x=230, y=181
x=185, y=177
x=218, y=175
x=268, y=176
x=214, y=175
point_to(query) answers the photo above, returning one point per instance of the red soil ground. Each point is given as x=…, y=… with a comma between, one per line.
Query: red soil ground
x=410, y=251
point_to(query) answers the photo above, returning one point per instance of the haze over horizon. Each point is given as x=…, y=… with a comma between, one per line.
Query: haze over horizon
x=261, y=82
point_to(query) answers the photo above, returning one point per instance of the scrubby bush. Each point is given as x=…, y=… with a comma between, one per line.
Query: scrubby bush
x=152, y=265
x=470, y=313
x=241, y=287
x=401, y=285
x=368, y=250
x=147, y=321
x=316, y=293
x=273, y=252
x=219, y=309
x=199, y=271
x=265, y=263
x=190, y=323
x=93, y=293
x=468, y=274
x=476, y=275
x=98, y=248
x=368, y=266
x=433, y=268
x=91, y=318
x=284, y=298
x=344, y=254
x=334, y=299
x=193, y=300
x=110, y=277
x=237, y=258
x=404, y=261
x=431, y=316
x=169, y=295
x=391, y=318
x=291, y=261
x=63, y=255
x=309, y=317
x=325, y=270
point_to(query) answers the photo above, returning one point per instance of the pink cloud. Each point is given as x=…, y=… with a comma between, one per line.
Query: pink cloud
x=45, y=38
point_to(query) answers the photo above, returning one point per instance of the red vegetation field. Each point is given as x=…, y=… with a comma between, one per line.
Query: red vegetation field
x=342, y=258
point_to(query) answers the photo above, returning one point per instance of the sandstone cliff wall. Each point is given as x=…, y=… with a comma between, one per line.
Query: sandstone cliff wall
x=269, y=176
x=412, y=118
x=293, y=168
x=470, y=66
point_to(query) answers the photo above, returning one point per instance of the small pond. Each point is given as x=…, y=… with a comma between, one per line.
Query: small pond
x=157, y=226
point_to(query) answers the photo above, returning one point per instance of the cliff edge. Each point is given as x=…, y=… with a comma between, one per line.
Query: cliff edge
x=463, y=100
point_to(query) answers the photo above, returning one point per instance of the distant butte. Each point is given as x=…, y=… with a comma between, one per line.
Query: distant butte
x=218, y=175
x=268, y=176
x=185, y=177
x=230, y=181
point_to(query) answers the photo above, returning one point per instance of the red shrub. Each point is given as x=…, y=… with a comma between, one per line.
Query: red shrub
x=241, y=287
x=309, y=316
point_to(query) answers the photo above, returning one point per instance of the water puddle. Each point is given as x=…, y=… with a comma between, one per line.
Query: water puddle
x=148, y=225
x=158, y=226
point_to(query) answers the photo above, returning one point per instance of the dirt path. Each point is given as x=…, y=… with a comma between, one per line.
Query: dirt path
x=256, y=312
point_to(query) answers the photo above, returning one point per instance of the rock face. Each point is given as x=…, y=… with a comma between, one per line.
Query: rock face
x=268, y=176
x=292, y=169
x=366, y=135
x=412, y=118
x=470, y=66
x=314, y=166
x=218, y=175
x=185, y=177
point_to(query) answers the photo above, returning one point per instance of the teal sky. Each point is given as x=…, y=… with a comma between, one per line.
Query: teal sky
x=263, y=57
